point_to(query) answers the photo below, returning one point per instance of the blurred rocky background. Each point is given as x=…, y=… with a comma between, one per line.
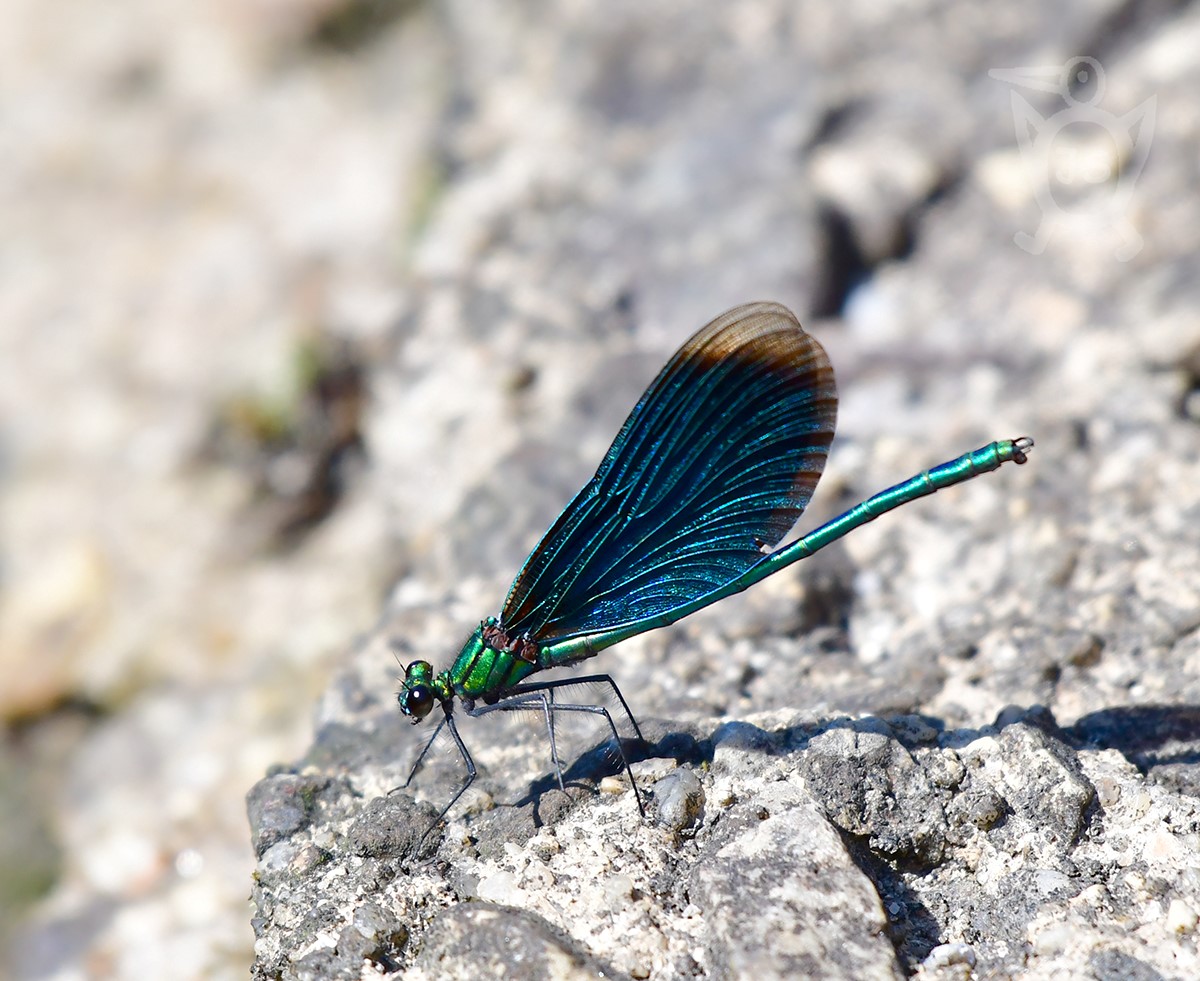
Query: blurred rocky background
x=313, y=313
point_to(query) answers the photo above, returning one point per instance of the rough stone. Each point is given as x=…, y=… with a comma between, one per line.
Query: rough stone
x=679, y=797
x=783, y=899
x=314, y=321
x=489, y=940
x=871, y=786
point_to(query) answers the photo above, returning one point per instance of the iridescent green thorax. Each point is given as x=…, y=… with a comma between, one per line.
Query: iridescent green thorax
x=483, y=669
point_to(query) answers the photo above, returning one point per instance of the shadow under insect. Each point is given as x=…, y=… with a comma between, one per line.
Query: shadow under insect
x=575, y=773
x=661, y=740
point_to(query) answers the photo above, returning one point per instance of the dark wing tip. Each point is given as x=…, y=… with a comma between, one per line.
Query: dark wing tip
x=732, y=434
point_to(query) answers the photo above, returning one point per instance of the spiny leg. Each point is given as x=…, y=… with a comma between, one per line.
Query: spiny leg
x=548, y=695
x=523, y=696
x=591, y=679
x=421, y=756
x=601, y=710
x=597, y=679
x=521, y=702
x=448, y=722
x=544, y=693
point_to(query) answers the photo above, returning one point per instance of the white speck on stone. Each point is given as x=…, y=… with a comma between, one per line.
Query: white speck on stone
x=1108, y=790
x=537, y=876
x=618, y=889
x=612, y=785
x=500, y=887
x=1054, y=939
x=544, y=844
x=1162, y=847
x=1181, y=918
x=946, y=955
x=1051, y=880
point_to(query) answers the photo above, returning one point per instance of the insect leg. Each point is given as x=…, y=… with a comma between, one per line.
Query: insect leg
x=601, y=710
x=521, y=702
x=421, y=756
x=471, y=774
x=522, y=695
x=591, y=679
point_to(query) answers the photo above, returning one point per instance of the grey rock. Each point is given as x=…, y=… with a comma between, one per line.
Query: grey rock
x=486, y=940
x=881, y=814
x=783, y=899
x=871, y=786
x=508, y=214
x=1161, y=740
x=1045, y=782
x=1113, y=965
x=679, y=800
x=390, y=826
x=279, y=806
x=982, y=807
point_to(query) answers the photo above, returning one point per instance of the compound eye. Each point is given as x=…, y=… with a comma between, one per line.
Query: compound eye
x=418, y=701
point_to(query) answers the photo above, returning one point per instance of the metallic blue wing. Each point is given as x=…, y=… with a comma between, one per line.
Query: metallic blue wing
x=717, y=460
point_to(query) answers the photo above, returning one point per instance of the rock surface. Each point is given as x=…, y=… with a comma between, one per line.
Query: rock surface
x=451, y=246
